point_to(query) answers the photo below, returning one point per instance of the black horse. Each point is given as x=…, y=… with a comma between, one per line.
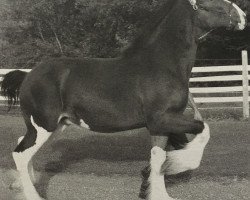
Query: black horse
x=146, y=86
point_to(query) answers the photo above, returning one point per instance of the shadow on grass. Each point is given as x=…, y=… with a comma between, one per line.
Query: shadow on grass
x=76, y=146
x=227, y=153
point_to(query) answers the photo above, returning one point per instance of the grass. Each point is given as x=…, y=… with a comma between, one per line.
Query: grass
x=79, y=164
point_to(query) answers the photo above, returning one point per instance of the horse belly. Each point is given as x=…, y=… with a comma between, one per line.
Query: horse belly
x=103, y=116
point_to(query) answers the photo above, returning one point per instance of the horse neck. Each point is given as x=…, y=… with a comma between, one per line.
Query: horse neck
x=172, y=44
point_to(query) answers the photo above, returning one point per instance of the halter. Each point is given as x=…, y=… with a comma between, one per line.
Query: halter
x=193, y=3
x=205, y=34
x=195, y=7
x=231, y=6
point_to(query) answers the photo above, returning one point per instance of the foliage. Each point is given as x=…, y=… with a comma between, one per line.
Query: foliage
x=71, y=28
x=33, y=30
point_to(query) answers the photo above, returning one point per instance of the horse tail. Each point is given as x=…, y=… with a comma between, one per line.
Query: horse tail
x=10, y=86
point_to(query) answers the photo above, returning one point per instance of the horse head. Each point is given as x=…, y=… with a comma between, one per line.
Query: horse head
x=213, y=14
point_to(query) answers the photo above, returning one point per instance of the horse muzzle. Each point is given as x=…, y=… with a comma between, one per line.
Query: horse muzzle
x=242, y=23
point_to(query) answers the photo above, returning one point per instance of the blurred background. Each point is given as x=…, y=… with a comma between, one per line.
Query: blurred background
x=32, y=30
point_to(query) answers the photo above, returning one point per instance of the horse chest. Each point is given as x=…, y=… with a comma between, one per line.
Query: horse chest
x=166, y=97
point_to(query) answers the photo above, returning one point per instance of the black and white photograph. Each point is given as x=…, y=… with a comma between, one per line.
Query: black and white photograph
x=124, y=99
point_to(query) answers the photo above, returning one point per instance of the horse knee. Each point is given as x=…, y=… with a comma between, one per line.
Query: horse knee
x=171, y=123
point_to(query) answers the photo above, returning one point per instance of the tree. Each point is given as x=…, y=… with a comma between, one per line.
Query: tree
x=36, y=29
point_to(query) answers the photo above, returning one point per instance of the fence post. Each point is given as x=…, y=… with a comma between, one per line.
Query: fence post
x=245, y=84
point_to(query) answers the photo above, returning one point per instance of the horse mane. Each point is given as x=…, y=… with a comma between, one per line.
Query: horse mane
x=149, y=28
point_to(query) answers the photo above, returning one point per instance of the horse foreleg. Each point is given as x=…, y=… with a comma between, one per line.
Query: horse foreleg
x=175, y=161
x=189, y=157
x=157, y=189
x=23, y=158
x=173, y=141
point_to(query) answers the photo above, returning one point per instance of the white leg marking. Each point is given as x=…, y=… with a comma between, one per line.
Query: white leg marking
x=30, y=165
x=23, y=164
x=16, y=184
x=188, y=158
x=156, y=179
x=83, y=124
x=32, y=172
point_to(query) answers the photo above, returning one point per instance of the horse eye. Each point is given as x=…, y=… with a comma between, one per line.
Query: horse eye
x=202, y=8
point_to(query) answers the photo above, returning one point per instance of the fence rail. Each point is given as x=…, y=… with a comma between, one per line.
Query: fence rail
x=218, y=78
x=242, y=90
x=231, y=68
x=205, y=92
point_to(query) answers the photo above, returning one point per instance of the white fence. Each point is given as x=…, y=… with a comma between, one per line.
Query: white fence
x=243, y=76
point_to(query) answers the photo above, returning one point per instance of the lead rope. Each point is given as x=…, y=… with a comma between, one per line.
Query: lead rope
x=203, y=36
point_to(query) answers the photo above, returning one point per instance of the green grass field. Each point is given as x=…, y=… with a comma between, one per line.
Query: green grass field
x=82, y=165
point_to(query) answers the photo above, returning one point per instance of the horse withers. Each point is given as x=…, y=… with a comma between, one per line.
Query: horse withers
x=146, y=86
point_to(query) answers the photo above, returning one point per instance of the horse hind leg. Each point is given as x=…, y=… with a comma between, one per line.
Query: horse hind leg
x=16, y=184
x=30, y=165
x=34, y=139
